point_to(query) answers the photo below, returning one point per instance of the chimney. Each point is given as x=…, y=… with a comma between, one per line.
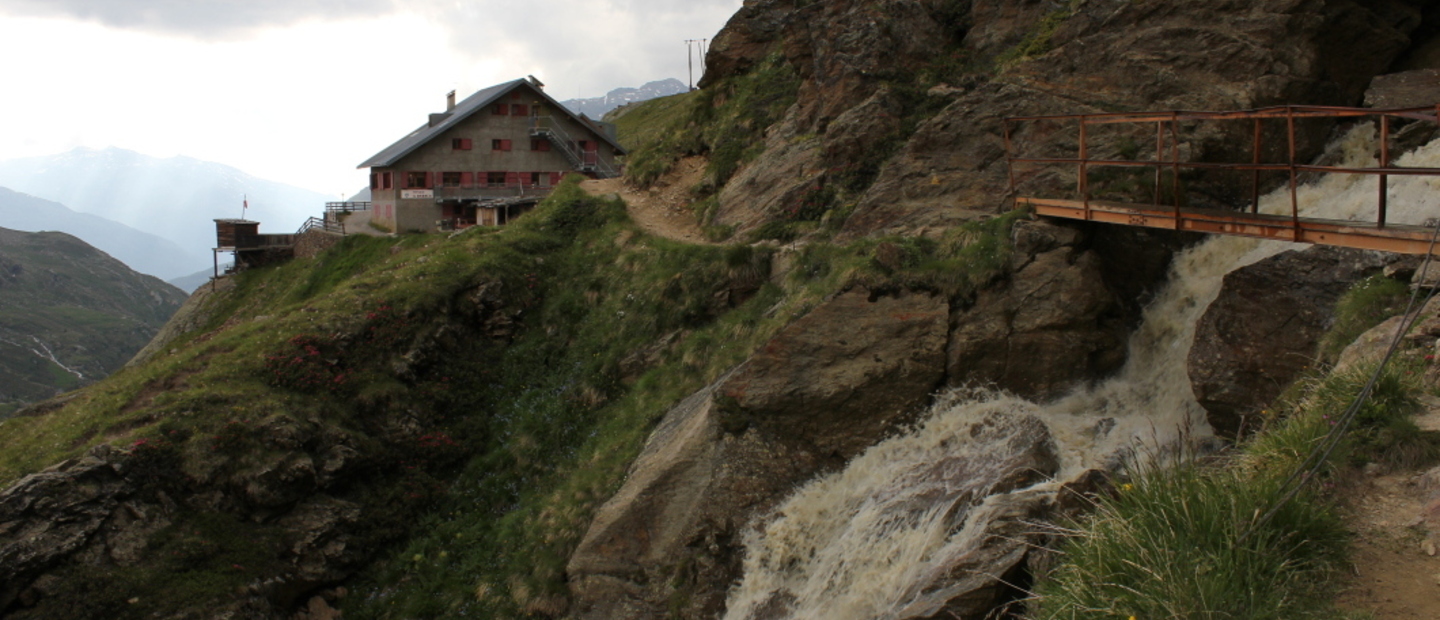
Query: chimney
x=450, y=102
x=535, y=82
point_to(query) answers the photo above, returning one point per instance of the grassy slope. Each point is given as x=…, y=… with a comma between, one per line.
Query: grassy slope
x=505, y=449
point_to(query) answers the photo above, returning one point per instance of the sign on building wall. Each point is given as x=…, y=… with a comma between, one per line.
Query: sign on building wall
x=410, y=194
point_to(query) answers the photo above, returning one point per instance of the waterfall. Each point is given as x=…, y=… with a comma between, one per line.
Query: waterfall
x=889, y=536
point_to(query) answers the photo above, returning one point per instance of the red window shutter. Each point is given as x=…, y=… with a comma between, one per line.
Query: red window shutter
x=515, y=95
x=374, y=181
x=469, y=144
x=500, y=109
x=389, y=180
x=505, y=145
x=512, y=178
x=429, y=179
x=556, y=177
x=467, y=179
x=519, y=109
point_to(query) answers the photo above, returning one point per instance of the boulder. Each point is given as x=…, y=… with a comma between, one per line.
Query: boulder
x=1263, y=328
x=46, y=517
x=966, y=475
x=826, y=387
x=1408, y=89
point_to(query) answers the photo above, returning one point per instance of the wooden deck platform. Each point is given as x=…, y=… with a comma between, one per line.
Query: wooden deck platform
x=1405, y=239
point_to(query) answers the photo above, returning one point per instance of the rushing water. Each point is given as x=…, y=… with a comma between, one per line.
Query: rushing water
x=886, y=537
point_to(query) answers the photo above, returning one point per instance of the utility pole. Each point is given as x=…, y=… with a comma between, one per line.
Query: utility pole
x=703, y=65
x=690, y=59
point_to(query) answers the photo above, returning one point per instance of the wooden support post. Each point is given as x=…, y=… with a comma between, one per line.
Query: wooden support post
x=1175, y=167
x=1294, y=178
x=1159, y=157
x=1384, y=163
x=1255, y=176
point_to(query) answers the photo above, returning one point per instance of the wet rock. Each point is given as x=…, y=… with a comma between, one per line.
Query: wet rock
x=1054, y=324
x=839, y=376
x=819, y=392
x=1263, y=328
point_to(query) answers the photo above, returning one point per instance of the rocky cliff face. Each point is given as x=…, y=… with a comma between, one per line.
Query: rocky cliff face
x=849, y=374
x=900, y=102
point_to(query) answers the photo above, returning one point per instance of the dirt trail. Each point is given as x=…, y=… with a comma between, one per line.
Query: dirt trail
x=662, y=210
x=1396, y=553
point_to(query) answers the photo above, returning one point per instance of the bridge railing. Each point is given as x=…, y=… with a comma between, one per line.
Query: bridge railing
x=1168, y=151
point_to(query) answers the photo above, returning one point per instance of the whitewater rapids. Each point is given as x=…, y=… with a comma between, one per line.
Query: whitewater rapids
x=884, y=538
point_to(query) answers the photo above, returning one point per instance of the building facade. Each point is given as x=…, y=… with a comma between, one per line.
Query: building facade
x=486, y=160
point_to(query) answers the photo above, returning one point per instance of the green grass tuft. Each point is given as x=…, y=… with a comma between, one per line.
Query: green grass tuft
x=1364, y=306
x=1171, y=542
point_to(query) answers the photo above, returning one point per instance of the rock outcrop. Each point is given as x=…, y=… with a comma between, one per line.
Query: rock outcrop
x=1054, y=324
x=833, y=384
x=1012, y=59
x=818, y=393
x=1263, y=328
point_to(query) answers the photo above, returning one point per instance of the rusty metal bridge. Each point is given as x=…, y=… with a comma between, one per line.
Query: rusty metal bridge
x=1372, y=235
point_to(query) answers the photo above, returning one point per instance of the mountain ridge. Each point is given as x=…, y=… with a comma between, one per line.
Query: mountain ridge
x=141, y=251
x=173, y=198
x=598, y=107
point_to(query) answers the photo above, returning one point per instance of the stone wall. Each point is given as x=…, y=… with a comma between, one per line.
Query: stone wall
x=313, y=242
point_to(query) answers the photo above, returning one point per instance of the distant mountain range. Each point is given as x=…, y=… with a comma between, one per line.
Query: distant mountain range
x=597, y=107
x=70, y=314
x=176, y=198
x=142, y=251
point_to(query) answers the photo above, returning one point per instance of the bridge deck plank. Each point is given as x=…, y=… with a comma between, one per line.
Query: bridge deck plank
x=1401, y=238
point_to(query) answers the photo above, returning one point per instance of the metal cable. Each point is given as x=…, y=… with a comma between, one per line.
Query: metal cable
x=1320, y=454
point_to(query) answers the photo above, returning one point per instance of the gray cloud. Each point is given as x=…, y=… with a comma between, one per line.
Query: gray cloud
x=586, y=45
x=583, y=47
x=197, y=18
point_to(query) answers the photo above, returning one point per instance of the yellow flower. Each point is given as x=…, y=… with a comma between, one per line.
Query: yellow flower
x=1123, y=488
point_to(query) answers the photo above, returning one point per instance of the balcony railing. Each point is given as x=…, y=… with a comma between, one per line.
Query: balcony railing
x=346, y=207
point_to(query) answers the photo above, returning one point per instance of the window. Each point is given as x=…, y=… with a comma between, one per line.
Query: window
x=495, y=179
x=500, y=145
x=539, y=179
x=374, y=180
x=386, y=180
x=417, y=180
x=539, y=145
x=519, y=109
x=515, y=95
x=500, y=109
x=461, y=144
x=450, y=179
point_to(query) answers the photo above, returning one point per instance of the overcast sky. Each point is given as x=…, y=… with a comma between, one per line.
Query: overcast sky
x=301, y=91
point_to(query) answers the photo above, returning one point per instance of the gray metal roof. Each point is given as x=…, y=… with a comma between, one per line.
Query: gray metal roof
x=481, y=100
